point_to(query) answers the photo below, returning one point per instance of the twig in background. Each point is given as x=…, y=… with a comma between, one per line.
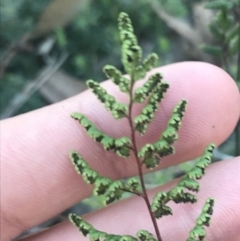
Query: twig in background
x=194, y=35
x=21, y=45
x=20, y=99
x=53, y=221
x=182, y=28
x=219, y=156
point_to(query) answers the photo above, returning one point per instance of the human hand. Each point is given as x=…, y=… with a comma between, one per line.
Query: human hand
x=39, y=181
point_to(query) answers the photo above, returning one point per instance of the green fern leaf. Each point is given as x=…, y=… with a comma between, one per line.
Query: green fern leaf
x=89, y=175
x=148, y=63
x=190, y=184
x=83, y=226
x=198, y=232
x=78, y=162
x=178, y=195
x=116, y=76
x=143, y=92
x=144, y=235
x=115, y=191
x=95, y=235
x=118, y=110
x=134, y=184
x=208, y=206
x=101, y=185
x=163, y=148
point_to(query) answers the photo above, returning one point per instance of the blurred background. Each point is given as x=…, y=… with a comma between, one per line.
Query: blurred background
x=49, y=48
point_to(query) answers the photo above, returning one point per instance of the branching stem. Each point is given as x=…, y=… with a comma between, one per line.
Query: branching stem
x=139, y=163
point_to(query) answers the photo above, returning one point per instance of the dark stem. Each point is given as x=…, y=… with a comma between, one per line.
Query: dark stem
x=237, y=130
x=139, y=164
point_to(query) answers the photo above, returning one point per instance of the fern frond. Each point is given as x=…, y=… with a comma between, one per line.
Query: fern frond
x=118, y=110
x=150, y=155
x=116, y=76
x=121, y=146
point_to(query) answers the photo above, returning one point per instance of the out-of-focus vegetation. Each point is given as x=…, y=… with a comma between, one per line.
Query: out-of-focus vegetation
x=36, y=35
x=90, y=38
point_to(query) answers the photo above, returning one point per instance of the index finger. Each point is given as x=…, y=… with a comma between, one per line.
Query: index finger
x=39, y=180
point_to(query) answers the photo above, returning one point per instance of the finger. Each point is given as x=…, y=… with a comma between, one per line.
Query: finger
x=39, y=180
x=129, y=216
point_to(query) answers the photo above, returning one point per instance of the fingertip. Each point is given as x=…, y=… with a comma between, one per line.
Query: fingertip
x=213, y=104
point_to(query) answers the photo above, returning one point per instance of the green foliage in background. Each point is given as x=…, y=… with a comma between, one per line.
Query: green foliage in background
x=84, y=39
x=18, y=19
x=225, y=28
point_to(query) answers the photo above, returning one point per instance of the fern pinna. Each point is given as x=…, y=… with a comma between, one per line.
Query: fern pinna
x=150, y=155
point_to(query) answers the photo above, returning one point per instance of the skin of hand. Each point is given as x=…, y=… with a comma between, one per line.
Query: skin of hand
x=38, y=181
